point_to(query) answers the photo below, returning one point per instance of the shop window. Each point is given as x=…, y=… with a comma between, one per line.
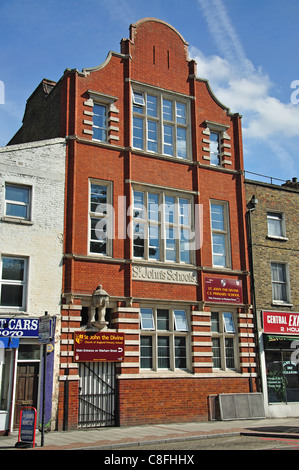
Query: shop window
x=100, y=218
x=162, y=227
x=223, y=340
x=13, y=282
x=163, y=339
x=282, y=372
x=161, y=123
x=17, y=201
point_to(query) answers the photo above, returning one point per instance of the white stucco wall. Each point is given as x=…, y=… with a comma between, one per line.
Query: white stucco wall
x=40, y=165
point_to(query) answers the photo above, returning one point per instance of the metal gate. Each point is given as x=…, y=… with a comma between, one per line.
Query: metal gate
x=96, y=394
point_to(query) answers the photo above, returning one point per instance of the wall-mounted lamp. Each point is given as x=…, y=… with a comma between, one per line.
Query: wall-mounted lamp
x=252, y=203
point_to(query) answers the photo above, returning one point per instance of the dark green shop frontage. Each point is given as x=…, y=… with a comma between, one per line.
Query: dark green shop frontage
x=280, y=368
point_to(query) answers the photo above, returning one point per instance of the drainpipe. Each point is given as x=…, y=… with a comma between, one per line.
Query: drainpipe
x=250, y=208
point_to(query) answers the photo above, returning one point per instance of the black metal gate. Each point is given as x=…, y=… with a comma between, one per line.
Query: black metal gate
x=96, y=394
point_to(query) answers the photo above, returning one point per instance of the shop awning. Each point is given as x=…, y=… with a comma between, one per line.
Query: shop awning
x=9, y=342
x=282, y=338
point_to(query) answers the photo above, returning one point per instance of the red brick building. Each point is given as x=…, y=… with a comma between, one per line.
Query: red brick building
x=152, y=158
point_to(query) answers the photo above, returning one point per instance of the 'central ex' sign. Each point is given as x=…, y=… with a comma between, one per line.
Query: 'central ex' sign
x=99, y=346
x=281, y=322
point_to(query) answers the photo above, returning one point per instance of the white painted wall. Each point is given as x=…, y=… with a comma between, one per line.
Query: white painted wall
x=40, y=165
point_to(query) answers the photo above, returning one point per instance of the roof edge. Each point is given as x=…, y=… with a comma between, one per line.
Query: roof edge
x=134, y=26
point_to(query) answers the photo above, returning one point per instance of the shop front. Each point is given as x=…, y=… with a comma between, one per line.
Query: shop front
x=279, y=364
x=20, y=370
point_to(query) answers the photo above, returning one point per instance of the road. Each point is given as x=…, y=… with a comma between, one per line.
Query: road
x=222, y=443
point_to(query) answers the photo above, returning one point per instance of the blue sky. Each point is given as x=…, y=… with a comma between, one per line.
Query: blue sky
x=247, y=49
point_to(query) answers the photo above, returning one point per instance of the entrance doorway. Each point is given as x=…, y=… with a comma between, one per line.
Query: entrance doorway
x=27, y=379
x=96, y=394
x=26, y=388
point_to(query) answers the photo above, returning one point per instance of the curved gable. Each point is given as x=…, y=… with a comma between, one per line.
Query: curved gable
x=158, y=52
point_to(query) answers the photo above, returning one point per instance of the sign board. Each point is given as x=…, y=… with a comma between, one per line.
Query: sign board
x=27, y=427
x=169, y=275
x=281, y=322
x=45, y=330
x=228, y=291
x=99, y=346
x=18, y=327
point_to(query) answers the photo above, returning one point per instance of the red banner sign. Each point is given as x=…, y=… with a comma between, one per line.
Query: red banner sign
x=99, y=346
x=223, y=290
x=281, y=322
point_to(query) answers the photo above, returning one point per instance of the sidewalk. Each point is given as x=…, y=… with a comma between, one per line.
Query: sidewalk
x=114, y=437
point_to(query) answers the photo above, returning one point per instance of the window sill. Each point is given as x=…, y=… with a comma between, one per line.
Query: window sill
x=13, y=310
x=16, y=220
x=150, y=374
x=281, y=239
x=188, y=160
x=281, y=304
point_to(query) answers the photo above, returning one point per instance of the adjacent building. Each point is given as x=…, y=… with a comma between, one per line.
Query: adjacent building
x=32, y=181
x=156, y=316
x=274, y=219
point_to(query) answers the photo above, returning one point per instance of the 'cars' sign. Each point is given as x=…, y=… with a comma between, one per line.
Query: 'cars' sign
x=281, y=322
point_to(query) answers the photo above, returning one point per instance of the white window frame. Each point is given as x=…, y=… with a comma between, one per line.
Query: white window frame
x=171, y=333
x=100, y=216
x=219, y=129
x=106, y=101
x=212, y=162
x=224, y=333
x=163, y=226
x=11, y=282
x=103, y=129
x=139, y=110
x=278, y=217
x=286, y=284
x=225, y=232
x=18, y=203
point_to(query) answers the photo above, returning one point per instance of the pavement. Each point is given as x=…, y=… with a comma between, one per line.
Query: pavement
x=109, y=438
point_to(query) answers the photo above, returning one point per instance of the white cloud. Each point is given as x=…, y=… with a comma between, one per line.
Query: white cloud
x=246, y=89
x=250, y=95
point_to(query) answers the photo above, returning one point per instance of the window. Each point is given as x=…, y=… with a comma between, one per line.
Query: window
x=161, y=124
x=17, y=201
x=99, y=122
x=276, y=226
x=162, y=227
x=13, y=282
x=281, y=369
x=280, y=290
x=217, y=134
x=215, y=148
x=163, y=338
x=101, y=217
x=223, y=340
x=220, y=234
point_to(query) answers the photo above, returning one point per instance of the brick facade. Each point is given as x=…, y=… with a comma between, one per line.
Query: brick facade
x=278, y=247
x=153, y=60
